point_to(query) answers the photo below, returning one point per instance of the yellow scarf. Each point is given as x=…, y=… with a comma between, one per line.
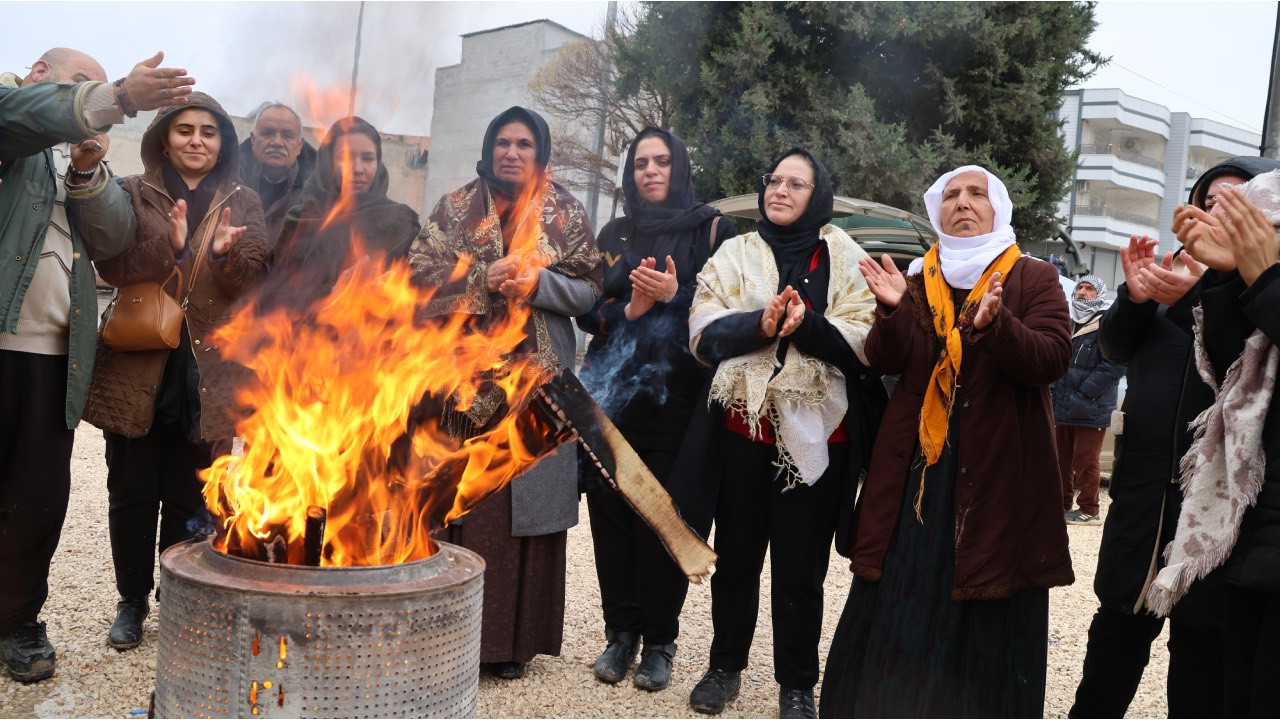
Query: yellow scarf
x=935, y=414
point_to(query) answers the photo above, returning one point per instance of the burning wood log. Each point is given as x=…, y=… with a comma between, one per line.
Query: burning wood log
x=313, y=545
x=569, y=404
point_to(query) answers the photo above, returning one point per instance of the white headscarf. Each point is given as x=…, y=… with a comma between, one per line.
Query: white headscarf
x=963, y=260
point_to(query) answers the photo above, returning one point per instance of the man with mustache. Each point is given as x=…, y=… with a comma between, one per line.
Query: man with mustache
x=276, y=162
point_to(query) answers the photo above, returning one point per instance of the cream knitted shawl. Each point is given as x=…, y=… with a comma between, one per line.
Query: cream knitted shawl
x=805, y=400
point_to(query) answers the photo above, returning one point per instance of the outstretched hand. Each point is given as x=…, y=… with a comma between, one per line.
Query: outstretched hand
x=1251, y=235
x=178, y=227
x=1160, y=282
x=661, y=286
x=1140, y=253
x=225, y=236
x=989, y=305
x=149, y=86
x=885, y=280
x=641, y=302
x=1204, y=237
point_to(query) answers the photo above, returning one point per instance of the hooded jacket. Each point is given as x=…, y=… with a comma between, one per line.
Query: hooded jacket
x=122, y=394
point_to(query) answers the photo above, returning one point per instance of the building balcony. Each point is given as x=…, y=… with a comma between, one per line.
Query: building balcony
x=1109, y=228
x=1122, y=169
x=1123, y=155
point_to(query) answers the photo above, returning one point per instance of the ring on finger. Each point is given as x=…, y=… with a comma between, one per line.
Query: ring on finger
x=164, y=92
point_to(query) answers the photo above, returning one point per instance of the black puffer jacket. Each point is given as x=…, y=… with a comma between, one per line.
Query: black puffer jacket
x=1086, y=395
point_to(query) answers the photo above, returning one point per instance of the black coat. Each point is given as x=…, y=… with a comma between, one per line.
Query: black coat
x=1229, y=318
x=1086, y=395
x=642, y=372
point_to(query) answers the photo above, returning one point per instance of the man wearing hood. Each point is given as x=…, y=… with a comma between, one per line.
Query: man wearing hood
x=275, y=162
x=1083, y=400
x=1148, y=329
x=53, y=121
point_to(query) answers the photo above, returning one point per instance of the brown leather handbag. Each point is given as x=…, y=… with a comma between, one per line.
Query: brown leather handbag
x=144, y=316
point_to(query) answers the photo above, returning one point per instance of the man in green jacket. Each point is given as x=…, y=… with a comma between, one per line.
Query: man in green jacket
x=53, y=122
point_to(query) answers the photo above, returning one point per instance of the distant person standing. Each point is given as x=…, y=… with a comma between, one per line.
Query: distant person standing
x=275, y=162
x=1083, y=401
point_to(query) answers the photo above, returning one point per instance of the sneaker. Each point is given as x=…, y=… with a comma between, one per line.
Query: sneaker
x=654, y=672
x=1078, y=517
x=126, y=631
x=27, y=654
x=796, y=703
x=716, y=688
x=615, y=661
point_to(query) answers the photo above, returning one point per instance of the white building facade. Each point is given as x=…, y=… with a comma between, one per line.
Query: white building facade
x=1138, y=161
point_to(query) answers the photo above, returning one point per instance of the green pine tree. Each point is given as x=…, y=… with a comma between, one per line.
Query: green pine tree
x=888, y=95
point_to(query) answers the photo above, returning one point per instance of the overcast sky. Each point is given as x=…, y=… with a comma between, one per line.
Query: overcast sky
x=1211, y=59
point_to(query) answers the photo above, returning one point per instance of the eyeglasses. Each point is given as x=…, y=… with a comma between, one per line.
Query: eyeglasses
x=794, y=184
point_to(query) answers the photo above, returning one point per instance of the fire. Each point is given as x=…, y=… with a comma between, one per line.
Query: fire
x=345, y=415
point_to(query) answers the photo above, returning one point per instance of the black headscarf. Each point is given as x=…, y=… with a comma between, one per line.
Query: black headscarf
x=676, y=217
x=324, y=185
x=541, y=135
x=793, y=245
x=309, y=237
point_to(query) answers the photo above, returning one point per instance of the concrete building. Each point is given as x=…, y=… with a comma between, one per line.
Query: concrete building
x=1138, y=161
x=494, y=73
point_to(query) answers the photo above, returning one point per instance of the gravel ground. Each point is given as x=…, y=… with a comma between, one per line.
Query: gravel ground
x=92, y=680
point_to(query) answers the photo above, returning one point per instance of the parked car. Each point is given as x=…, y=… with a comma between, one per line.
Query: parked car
x=876, y=227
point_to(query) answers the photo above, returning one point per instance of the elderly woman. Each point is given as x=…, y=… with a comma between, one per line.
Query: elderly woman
x=781, y=314
x=1229, y=527
x=960, y=530
x=166, y=413
x=640, y=370
x=344, y=202
x=520, y=530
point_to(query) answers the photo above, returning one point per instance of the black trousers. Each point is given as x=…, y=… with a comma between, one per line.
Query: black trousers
x=753, y=515
x=1251, y=650
x=35, y=479
x=1120, y=645
x=642, y=590
x=149, y=478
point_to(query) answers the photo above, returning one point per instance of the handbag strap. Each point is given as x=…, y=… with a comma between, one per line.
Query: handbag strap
x=205, y=247
x=164, y=285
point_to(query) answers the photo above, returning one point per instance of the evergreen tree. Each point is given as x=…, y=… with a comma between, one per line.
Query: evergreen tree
x=889, y=95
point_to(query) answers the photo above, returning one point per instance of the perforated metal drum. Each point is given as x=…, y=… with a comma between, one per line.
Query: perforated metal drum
x=240, y=638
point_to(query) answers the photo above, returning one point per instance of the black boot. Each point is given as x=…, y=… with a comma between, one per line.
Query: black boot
x=716, y=688
x=26, y=653
x=796, y=703
x=613, y=663
x=513, y=670
x=654, y=672
x=126, y=631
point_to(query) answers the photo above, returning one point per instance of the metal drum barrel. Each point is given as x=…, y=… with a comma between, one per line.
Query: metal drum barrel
x=241, y=638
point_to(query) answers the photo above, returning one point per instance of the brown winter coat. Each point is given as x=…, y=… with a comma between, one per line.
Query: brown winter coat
x=122, y=394
x=1009, y=529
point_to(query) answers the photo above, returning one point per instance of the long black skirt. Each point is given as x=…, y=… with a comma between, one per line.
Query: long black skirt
x=904, y=648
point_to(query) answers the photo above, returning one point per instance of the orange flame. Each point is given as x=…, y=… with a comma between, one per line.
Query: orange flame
x=336, y=415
